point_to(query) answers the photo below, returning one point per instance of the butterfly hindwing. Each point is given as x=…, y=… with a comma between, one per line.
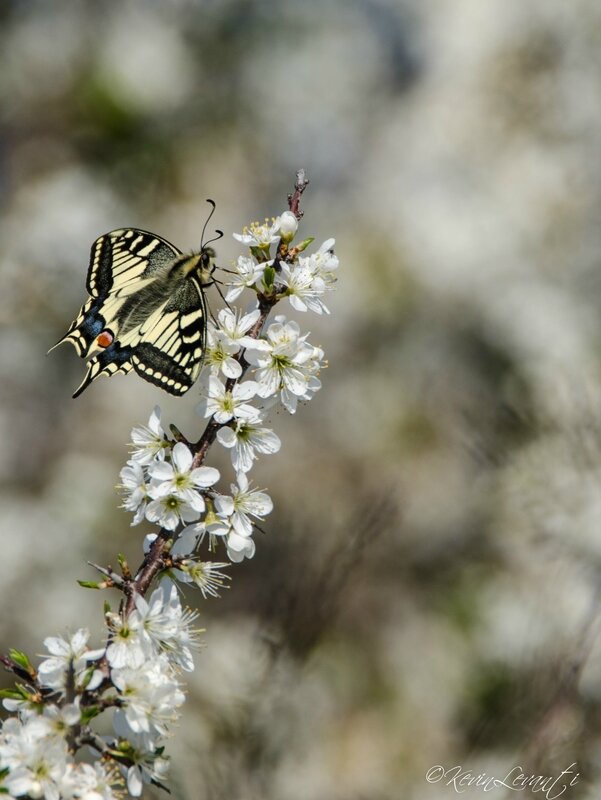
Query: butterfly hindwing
x=111, y=361
x=171, y=348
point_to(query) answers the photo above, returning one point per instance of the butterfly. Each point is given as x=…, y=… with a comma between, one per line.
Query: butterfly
x=146, y=311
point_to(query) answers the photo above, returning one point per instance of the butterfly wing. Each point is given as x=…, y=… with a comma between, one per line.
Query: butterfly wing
x=110, y=361
x=146, y=311
x=121, y=263
x=171, y=345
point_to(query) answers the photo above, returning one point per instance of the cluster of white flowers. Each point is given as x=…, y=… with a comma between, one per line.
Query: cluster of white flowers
x=35, y=756
x=303, y=281
x=136, y=674
x=253, y=366
x=247, y=376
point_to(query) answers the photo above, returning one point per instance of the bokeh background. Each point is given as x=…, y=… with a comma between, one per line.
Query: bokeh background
x=427, y=590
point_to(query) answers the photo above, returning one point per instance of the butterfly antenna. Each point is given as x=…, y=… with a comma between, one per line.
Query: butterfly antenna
x=204, y=227
x=215, y=238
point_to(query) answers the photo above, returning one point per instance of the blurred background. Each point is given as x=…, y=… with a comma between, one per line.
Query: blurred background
x=427, y=589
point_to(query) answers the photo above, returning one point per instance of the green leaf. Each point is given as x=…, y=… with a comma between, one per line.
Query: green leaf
x=88, y=714
x=90, y=585
x=11, y=694
x=20, y=658
x=268, y=277
x=304, y=244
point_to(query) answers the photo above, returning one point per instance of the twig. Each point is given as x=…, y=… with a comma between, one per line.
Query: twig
x=116, y=580
x=300, y=185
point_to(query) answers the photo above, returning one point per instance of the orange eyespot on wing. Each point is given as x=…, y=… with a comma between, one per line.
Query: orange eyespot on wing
x=105, y=339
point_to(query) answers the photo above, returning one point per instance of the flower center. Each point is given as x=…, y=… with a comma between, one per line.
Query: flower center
x=181, y=480
x=243, y=432
x=281, y=362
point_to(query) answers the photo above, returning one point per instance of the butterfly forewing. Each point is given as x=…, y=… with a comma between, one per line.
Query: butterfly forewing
x=147, y=311
x=122, y=258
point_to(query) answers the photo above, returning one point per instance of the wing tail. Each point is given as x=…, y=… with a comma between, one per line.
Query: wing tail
x=115, y=359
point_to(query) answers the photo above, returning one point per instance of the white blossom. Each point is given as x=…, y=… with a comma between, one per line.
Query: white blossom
x=170, y=510
x=239, y=547
x=166, y=626
x=245, y=438
x=174, y=489
x=149, y=441
x=286, y=364
x=227, y=338
x=310, y=277
x=219, y=354
x=135, y=781
x=148, y=766
x=150, y=698
x=224, y=404
x=206, y=575
x=178, y=478
x=62, y=718
x=260, y=235
x=326, y=259
x=243, y=504
x=248, y=271
x=304, y=286
x=188, y=539
x=88, y=782
x=126, y=648
x=233, y=326
x=133, y=482
x=65, y=655
x=35, y=757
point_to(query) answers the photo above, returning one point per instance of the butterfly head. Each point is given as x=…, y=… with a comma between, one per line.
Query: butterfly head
x=206, y=265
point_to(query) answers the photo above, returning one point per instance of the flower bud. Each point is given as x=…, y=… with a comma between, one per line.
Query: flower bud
x=288, y=226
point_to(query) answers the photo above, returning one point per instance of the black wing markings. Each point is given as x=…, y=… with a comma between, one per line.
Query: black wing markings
x=170, y=352
x=158, y=334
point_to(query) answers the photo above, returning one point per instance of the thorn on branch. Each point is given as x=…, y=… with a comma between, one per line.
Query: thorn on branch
x=300, y=185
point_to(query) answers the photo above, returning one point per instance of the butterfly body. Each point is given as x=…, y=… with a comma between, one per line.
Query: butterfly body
x=146, y=311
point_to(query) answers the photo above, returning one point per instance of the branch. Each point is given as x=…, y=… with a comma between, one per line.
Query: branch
x=300, y=185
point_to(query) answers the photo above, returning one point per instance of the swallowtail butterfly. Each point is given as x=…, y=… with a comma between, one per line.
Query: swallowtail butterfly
x=146, y=311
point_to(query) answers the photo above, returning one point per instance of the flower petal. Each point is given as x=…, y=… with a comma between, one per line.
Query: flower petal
x=181, y=457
